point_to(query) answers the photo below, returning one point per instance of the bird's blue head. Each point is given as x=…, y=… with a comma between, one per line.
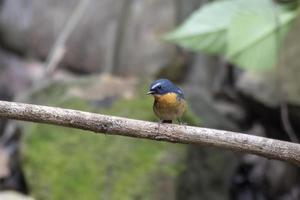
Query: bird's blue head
x=164, y=86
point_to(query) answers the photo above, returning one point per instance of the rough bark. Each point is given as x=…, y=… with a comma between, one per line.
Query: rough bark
x=239, y=142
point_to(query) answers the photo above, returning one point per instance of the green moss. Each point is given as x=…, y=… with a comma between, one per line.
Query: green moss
x=64, y=163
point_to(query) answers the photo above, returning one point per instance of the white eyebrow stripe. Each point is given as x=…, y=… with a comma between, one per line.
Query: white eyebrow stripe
x=154, y=86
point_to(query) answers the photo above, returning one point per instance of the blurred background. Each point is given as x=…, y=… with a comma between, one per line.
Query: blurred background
x=237, y=61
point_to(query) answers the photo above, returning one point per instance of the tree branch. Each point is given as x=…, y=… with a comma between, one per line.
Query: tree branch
x=269, y=148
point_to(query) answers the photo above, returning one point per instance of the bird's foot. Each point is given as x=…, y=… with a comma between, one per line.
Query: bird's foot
x=162, y=121
x=158, y=126
x=182, y=123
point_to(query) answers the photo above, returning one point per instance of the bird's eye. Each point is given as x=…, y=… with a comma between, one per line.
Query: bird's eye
x=159, y=87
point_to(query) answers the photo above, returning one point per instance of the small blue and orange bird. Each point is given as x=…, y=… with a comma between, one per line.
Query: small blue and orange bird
x=169, y=102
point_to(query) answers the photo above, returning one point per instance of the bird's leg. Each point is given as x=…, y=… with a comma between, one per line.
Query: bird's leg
x=163, y=121
x=160, y=121
x=181, y=123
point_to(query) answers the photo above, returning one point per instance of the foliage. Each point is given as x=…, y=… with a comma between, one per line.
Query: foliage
x=248, y=33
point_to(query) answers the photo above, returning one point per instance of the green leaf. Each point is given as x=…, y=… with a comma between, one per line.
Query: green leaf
x=254, y=38
x=246, y=32
x=205, y=30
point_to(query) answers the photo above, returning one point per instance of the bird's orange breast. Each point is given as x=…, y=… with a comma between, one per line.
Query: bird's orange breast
x=169, y=106
x=167, y=100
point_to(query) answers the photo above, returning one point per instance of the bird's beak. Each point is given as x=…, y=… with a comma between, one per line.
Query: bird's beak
x=150, y=92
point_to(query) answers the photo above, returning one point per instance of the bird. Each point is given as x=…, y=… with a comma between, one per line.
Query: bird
x=169, y=102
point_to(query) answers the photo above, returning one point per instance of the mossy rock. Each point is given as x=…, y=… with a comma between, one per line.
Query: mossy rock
x=64, y=163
